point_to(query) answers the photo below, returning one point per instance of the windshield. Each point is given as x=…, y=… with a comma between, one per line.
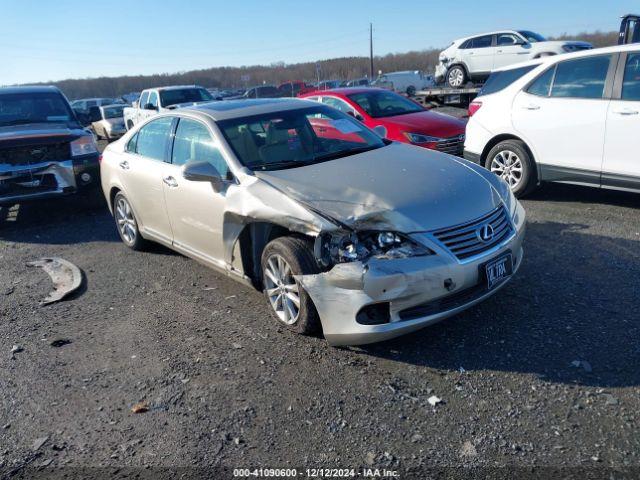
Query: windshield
x=295, y=138
x=532, y=37
x=113, y=112
x=384, y=104
x=23, y=108
x=184, y=95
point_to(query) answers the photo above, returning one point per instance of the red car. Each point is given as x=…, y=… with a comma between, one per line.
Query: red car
x=402, y=119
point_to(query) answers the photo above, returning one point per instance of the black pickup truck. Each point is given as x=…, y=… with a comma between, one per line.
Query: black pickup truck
x=44, y=151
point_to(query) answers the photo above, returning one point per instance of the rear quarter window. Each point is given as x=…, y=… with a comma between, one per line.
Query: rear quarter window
x=500, y=80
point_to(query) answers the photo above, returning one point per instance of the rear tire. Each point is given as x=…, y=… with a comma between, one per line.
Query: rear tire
x=512, y=161
x=282, y=259
x=126, y=223
x=456, y=76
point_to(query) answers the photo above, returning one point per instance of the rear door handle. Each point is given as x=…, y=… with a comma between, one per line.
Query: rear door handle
x=124, y=165
x=626, y=111
x=170, y=181
x=531, y=106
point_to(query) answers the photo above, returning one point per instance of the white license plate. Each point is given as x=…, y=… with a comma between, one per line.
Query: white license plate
x=498, y=270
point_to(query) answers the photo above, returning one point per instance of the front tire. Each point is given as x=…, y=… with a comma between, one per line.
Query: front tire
x=282, y=260
x=411, y=90
x=511, y=161
x=126, y=223
x=456, y=76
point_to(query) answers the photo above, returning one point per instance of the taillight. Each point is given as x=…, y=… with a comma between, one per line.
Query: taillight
x=474, y=107
x=100, y=159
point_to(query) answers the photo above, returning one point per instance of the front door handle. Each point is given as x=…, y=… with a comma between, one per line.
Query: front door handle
x=170, y=181
x=531, y=106
x=626, y=111
x=124, y=165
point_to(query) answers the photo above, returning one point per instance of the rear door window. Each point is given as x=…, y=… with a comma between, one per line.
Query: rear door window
x=481, y=42
x=581, y=78
x=153, y=138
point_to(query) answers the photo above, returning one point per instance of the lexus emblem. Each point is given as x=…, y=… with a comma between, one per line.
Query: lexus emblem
x=485, y=233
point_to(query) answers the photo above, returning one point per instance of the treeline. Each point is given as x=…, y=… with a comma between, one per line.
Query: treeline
x=227, y=77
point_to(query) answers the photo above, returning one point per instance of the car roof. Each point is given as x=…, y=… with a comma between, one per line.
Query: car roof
x=344, y=91
x=30, y=89
x=566, y=56
x=506, y=30
x=174, y=87
x=229, y=109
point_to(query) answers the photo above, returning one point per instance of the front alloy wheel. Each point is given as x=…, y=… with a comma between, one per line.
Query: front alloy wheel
x=281, y=289
x=284, y=259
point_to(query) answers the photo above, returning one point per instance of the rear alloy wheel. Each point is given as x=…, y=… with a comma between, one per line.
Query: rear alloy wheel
x=456, y=76
x=282, y=260
x=511, y=161
x=126, y=223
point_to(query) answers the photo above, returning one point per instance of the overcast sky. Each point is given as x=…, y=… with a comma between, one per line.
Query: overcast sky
x=52, y=40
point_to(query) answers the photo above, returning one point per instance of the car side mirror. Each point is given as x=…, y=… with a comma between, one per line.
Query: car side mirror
x=150, y=106
x=380, y=131
x=199, y=171
x=355, y=115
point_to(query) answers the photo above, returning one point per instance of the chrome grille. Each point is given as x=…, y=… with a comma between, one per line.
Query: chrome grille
x=451, y=145
x=33, y=154
x=464, y=241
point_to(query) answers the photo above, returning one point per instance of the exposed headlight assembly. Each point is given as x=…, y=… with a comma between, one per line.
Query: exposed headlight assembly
x=420, y=138
x=568, y=48
x=342, y=247
x=83, y=146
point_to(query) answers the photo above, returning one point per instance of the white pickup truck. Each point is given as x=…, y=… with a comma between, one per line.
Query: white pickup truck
x=155, y=100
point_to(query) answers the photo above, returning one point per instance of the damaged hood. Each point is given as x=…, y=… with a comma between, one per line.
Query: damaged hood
x=397, y=187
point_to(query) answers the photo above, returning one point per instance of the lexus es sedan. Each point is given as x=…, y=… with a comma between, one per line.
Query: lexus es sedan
x=346, y=233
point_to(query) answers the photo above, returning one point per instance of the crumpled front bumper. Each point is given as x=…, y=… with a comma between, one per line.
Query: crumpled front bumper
x=441, y=72
x=403, y=284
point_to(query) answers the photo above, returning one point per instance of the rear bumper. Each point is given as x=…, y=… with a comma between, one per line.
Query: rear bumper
x=48, y=179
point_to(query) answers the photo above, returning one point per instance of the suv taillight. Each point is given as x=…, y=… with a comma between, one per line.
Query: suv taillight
x=474, y=107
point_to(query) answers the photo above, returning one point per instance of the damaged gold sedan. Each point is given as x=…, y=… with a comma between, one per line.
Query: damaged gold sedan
x=346, y=233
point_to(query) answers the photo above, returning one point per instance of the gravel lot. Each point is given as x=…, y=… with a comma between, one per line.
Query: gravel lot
x=545, y=374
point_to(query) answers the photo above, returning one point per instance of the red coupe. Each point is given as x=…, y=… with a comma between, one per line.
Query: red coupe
x=397, y=117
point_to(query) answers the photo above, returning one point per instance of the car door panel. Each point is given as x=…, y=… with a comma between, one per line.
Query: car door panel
x=575, y=108
x=508, y=53
x=479, y=56
x=141, y=171
x=195, y=209
x=621, y=164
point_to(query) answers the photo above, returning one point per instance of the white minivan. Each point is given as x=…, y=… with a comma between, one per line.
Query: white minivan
x=570, y=118
x=409, y=81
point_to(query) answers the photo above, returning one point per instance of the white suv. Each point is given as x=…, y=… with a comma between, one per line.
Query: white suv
x=572, y=118
x=473, y=58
